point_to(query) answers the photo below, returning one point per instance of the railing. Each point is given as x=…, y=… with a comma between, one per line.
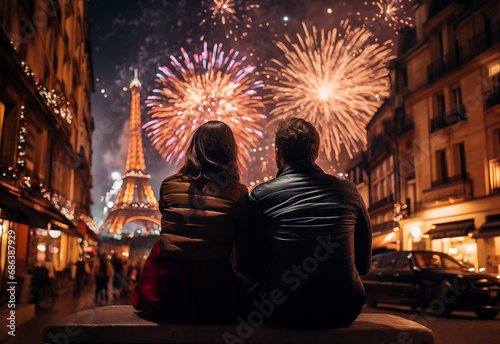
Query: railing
x=450, y=117
x=401, y=122
x=495, y=175
x=447, y=190
x=384, y=227
x=456, y=58
x=484, y=40
x=449, y=180
x=447, y=63
x=491, y=97
x=377, y=145
x=383, y=202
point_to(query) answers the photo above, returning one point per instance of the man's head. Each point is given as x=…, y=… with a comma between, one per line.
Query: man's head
x=295, y=140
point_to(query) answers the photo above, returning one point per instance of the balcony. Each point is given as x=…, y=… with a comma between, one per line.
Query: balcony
x=384, y=227
x=491, y=97
x=447, y=63
x=376, y=146
x=495, y=175
x=484, y=40
x=448, y=190
x=450, y=117
x=382, y=203
x=402, y=123
x=476, y=45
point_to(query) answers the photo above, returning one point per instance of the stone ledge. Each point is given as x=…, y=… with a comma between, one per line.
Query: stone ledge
x=123, y=324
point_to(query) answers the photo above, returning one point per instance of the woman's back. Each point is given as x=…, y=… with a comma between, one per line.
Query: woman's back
x=201, y=220
x=187, y=277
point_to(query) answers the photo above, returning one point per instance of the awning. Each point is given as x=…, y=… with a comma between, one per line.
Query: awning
x=490, y=229
x=452, y=229
x=21, y=210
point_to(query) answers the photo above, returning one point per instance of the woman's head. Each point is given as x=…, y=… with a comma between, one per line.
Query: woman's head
x=212, y=150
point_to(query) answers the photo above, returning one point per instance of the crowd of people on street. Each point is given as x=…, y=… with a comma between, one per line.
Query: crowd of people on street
x=110, y=276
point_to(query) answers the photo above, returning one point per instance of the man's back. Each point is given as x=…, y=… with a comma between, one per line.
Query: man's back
x=308, y=226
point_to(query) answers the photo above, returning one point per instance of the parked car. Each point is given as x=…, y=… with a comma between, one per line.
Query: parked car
x=431, y=280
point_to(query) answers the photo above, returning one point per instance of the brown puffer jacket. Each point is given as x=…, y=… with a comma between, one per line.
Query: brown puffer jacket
x=202, y=224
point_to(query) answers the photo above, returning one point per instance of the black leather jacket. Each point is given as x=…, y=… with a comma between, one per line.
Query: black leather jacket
x=310, y=237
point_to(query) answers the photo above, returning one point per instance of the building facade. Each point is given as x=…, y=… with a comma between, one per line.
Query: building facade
x=441, y=130
x=46, y=80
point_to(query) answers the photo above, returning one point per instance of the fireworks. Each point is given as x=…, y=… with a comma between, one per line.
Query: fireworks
x=333, y=79
x=392, y=12
x=234, y=16
x=209, y=86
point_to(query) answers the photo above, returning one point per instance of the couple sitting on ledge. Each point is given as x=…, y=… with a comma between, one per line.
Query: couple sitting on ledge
x=300, y=241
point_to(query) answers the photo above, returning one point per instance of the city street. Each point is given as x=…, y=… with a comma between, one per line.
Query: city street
x=459, y=328
x=31, y=331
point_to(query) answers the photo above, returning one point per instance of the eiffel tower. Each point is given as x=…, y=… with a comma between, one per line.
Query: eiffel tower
x=136, y=201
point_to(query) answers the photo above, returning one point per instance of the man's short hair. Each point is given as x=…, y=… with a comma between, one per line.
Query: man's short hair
x=297, y=139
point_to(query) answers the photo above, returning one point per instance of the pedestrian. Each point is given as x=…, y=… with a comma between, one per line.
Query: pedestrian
x=102, y=272
x=118, y=276
x=309, y=237
x=80, y=276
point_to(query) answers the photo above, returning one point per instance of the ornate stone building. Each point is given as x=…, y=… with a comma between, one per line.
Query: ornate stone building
x=434, y=146
x=46, y=80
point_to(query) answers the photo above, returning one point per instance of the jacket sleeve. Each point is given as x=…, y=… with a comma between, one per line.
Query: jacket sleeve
x=363, y=240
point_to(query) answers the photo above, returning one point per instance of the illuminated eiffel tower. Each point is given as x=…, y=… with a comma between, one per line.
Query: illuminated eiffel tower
x=136, y=201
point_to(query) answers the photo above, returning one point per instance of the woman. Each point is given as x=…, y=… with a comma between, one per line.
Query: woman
x=187, y=277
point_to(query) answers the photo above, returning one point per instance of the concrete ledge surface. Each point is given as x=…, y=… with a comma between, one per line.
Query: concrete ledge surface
x=123, y=324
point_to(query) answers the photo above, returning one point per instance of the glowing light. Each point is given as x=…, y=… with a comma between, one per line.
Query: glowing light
x=329, y=78
x=481, y=269
x=285, y=18
x=329, y=10
x=390, y=236
x=54, y=233
x=110, y=204
x=452, y=250
x=210, y=86
x=416, y=232
x=41, y=248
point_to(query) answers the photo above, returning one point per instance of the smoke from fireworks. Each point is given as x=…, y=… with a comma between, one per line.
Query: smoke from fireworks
x=233, y=15
x=333, y=79
x=209, y=86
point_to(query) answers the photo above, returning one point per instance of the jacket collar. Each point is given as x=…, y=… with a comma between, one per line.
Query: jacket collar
x=302, y=166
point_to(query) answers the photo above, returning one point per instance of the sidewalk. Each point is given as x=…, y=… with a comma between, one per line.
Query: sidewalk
x=66, y=304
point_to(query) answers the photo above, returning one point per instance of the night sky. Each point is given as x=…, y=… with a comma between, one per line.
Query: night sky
x=144, y=34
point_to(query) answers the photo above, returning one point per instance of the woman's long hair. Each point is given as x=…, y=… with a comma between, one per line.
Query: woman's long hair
x=212, y=150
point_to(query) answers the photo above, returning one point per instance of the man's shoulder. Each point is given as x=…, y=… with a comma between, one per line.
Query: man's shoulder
x=286, y=182
x=265, y=188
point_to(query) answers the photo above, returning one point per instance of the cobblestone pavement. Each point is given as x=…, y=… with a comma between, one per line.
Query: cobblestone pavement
x=31, y=331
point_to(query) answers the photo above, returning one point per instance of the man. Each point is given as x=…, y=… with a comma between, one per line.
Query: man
x=309, y=237
x=102, y=271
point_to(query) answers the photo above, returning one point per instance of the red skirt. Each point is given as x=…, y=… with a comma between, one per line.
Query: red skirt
x=187, y=291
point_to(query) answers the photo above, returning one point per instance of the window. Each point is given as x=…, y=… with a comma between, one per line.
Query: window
x=440, y=104
x=457, y=96
x=494, y=74
x=441, y=165
x=403, y=261
x=8, y=132
x=460, y=166
x=441, y=43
